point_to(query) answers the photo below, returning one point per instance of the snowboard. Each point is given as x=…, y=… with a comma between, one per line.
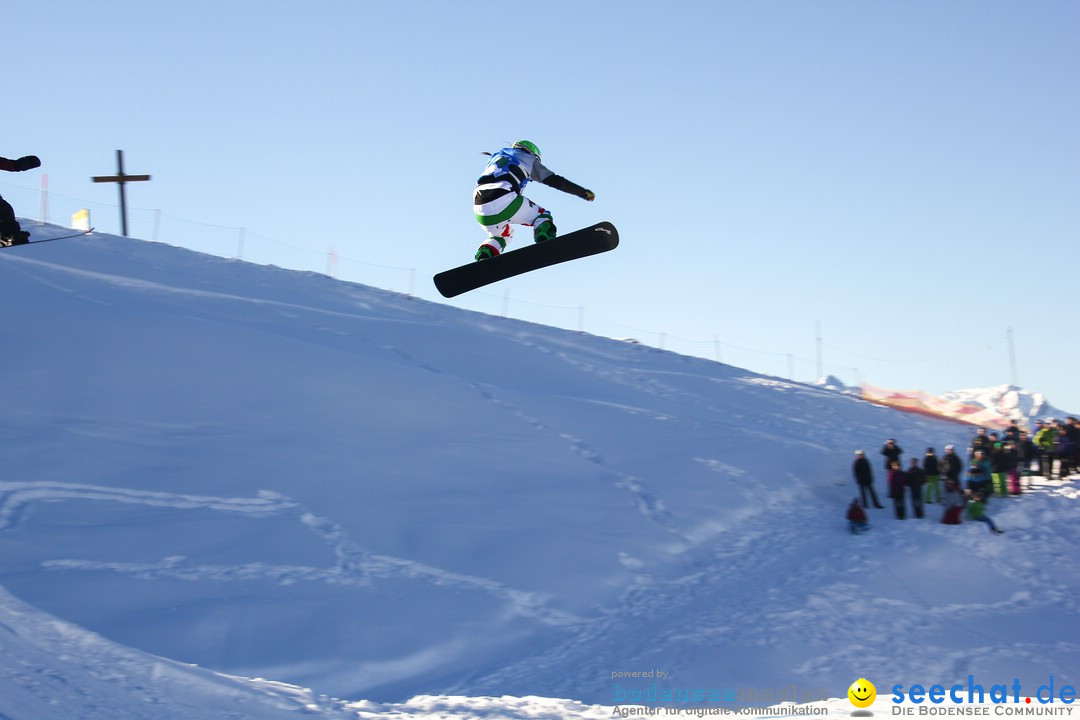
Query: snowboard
x=44, y=240
x=593, y=240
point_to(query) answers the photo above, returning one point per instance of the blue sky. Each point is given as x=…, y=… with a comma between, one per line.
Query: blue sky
x=905, y=174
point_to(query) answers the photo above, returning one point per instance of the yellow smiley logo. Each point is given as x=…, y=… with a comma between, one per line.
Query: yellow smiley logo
x=862, y=693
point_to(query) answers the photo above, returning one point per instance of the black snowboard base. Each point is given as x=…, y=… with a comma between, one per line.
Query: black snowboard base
x=593, y=240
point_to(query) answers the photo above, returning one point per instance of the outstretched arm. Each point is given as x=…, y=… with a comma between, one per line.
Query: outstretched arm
x=545, y=176
x=560, y=183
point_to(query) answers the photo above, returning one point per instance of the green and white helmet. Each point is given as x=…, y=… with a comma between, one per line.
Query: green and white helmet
x=528, y=147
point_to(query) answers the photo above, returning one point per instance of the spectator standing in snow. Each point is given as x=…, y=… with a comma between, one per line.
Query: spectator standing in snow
x=892, y=453
x=954, y=503
x=864, y=478
x=856, y=518
x=932, y=471
x=979, y=473
x=951, y=465
x=980, y=442
x=1002, y=463
x=1072, y=427
x=1012, y=433
x=897, y=490
x=1027, y=454
x=1063, y=448
x=915, y=478
x=1045, y=438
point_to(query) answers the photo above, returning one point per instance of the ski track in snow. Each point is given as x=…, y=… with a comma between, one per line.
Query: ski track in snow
x=354, y=565
x=647, y=501
x=647, y=623
x=16, y=496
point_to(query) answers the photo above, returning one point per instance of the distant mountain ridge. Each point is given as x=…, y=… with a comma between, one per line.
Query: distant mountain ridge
x=1010, y=401
x=995, y=405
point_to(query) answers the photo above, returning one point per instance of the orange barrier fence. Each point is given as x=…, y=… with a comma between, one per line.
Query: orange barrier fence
x=916, y=401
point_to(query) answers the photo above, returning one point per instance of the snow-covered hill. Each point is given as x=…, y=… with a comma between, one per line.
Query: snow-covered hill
x=272, y=474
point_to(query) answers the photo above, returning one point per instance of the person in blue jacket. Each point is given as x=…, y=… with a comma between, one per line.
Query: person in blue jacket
x=498, y=202
x=980, y=474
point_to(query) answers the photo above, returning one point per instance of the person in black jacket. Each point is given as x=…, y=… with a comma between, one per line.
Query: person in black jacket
x=1072, y=426
x=981, y=441
x=897, y=489
x=864, y=478
x=10, y=231
x=931, y=469
x=1065, y=447
x=892, y=453
x=951, y=465
x=915, y=478
x=1028, y=454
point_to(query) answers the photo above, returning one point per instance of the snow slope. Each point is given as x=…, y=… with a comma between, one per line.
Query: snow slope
x=274, y=474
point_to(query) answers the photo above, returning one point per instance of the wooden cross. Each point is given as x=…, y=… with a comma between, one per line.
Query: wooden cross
x=120, y=179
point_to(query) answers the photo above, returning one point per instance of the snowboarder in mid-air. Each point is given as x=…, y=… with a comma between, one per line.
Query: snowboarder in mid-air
x=11, y=233
x=498, y=203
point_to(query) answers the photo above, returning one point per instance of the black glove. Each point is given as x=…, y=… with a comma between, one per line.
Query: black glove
x=27, y=162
